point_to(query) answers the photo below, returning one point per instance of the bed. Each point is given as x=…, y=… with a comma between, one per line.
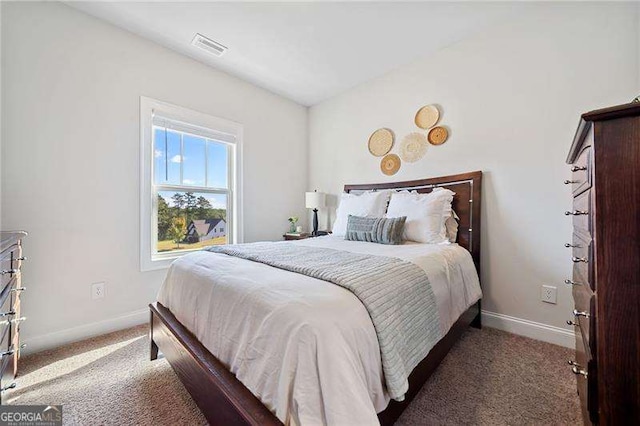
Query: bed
x=307, y=348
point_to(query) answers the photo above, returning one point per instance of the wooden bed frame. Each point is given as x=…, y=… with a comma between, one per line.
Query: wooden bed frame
x=224, y=400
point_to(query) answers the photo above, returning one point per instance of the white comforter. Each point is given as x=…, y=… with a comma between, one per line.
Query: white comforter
x=305, y=347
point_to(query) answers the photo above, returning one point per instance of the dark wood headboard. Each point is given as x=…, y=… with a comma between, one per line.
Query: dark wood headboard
x=466, y=203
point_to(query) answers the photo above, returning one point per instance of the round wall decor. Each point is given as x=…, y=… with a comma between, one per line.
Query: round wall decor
x=381, y=142
x=438, y=135
x=413, y=147
x=427, y=116
x=390, y=164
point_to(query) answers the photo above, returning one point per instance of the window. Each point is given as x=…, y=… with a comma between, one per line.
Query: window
x=190, y=182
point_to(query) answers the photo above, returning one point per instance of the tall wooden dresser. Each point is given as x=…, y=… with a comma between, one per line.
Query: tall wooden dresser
x=11, y=259
x=605, y=251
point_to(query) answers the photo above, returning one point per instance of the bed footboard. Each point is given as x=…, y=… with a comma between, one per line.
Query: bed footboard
x=221, y=397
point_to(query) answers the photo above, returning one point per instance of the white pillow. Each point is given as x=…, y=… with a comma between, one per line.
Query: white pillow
x=452, y=226
x=426, y=214
x=368, y=204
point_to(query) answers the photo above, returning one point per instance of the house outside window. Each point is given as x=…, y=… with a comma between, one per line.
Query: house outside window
x=189, y=183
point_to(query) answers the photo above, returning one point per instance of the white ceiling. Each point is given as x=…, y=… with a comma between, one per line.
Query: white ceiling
x=306, y=51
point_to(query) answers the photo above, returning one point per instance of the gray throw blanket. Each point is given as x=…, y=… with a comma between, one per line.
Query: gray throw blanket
x=396, y=293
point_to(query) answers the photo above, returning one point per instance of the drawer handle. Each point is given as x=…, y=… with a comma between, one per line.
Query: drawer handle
x=8, y=271
x=573, y=323
x=569, y=182
x=12, y=351
x=569, y=245
x=6, y=388
x=18, y=290
x=576, y=213
x=21, y=258
x=578, y=371
x=578, y=168
x=579, y=259
x=568, y=281
x=7, y=353
x=7, y=314
x=577, y=313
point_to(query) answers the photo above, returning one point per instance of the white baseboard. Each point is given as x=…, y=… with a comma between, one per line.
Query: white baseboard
x=85, y=331
x=531, y=329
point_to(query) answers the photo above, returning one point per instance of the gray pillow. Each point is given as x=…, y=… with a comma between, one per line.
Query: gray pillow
x=375, y=229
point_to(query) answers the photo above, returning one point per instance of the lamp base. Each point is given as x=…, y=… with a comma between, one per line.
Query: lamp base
x=315, y=223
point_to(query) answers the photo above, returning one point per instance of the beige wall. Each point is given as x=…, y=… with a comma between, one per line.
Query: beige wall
x=511, y=96
x=70, y=156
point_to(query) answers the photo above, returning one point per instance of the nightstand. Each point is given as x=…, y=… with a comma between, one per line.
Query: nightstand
x=301, y=236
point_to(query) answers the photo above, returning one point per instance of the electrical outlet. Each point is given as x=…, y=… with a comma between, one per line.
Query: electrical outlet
x=549, y=294
x=97, y=290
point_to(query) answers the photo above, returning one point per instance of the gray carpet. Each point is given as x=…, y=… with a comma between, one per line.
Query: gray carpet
x=489, y=378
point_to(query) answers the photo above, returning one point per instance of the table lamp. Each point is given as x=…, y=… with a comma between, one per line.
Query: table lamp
x=315, y=200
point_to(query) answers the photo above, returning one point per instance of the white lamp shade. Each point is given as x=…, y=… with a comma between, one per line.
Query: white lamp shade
x=315, y=200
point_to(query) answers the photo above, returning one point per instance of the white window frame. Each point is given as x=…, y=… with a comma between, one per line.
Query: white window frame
x=149, y=258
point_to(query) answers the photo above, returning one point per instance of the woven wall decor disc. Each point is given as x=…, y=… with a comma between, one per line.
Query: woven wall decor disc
x=390, y=164
x=438, y=135
x=413, y=147
x=427, y=116
x=381, y=142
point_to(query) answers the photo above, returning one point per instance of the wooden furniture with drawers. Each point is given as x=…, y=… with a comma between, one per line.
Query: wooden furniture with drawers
x=11, y=259
x=605, y=251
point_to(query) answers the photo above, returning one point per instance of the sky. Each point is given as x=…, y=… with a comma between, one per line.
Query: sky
x=200, y=157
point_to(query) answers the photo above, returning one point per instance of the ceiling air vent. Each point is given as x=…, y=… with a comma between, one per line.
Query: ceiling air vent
x=209, y=45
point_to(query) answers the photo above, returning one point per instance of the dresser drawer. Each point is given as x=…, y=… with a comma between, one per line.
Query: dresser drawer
x=17, y=258
x=582, y=260
x=584, y=305
x=581, y=176
x=581, y=215
x=5, y=339
x=8, y=249
x=586, y=384
x=582, y=299
x=581, y=362
x=7, y=272
x=16, y=323
x=7, y=376
x=7, y=360
x=5, y=329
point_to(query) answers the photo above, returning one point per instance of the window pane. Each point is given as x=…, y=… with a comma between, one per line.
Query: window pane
x=191, y=220
x=194, y=161
x=217, y=166
x=166, y=156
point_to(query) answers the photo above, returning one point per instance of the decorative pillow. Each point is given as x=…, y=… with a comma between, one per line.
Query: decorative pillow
x=452, y=226
x=426, y=214
x=368, y=204
x=375, y=229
